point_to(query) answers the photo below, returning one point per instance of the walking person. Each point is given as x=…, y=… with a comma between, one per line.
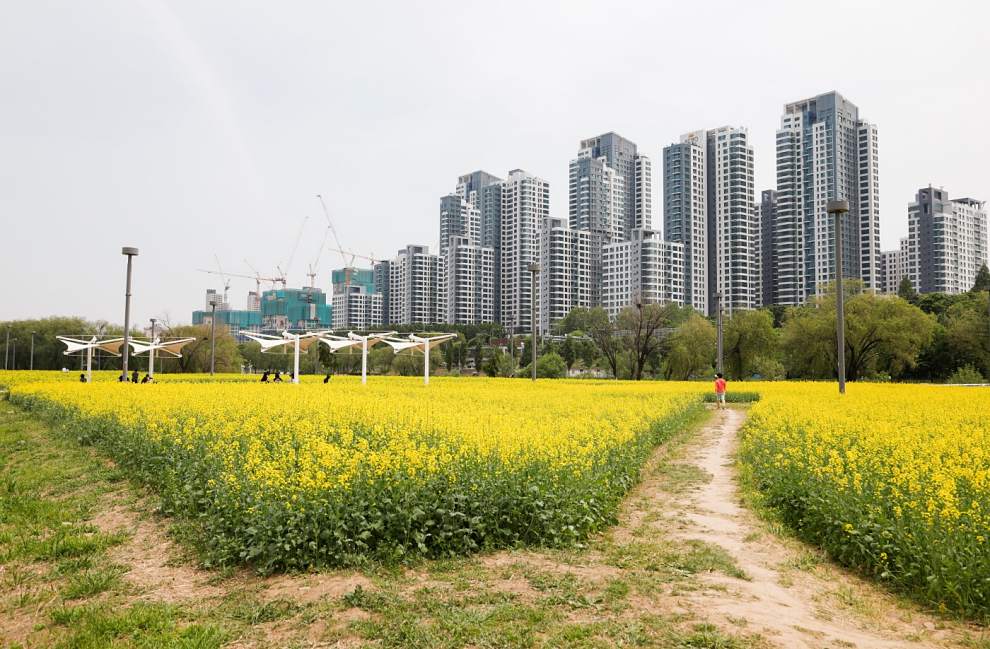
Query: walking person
x=719, y=391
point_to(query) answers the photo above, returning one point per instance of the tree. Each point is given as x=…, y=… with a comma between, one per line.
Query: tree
x=967, y=331
x=196, y=355
x=691, y=348
x=982, y=282
x=602, y=332
x=905, y=290
x=748, y=336
x=499, y=363
x=642, y=328
x=883, y=333
x=550, y=366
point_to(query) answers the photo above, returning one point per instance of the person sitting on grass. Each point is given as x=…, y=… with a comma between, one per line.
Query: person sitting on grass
x=82, y=378
x=134, y=376
x=264, y=377
x=278, y=376
x=719, y=391
x=326, y=379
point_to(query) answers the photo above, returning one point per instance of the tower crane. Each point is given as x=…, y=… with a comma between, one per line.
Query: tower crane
x=258, y=278
x=292, y=255
x=348, y=256
x=226, y=280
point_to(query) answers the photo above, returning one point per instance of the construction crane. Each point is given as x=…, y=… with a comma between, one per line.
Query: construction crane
x=292, y=255
x=313, y=266
x=259, y=278
x=226, y=280
x=348, y=256
x=256, y=277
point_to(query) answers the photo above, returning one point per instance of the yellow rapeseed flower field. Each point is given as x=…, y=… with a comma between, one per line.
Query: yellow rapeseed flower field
x=294, y=476
x=892, y=479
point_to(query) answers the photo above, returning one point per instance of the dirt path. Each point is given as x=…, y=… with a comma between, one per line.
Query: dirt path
x=792, y=596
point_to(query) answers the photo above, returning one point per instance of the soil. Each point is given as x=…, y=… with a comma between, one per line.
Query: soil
x=823, y=606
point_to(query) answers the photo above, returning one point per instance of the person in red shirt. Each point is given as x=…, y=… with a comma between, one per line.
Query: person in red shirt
x=719, y=391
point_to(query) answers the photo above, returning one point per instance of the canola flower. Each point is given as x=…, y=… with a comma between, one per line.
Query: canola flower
x=891, y=479
x=294, y=477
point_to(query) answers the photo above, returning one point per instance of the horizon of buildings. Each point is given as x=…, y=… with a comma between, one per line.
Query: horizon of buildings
x=723, y=244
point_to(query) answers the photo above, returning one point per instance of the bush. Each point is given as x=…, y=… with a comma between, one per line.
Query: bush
x=734, y=397
x=551, y=366
x=966, y=374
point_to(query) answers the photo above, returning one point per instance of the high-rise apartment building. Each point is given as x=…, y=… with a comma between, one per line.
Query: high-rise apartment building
x=380, y=279
x=708, y=206
x=414, y=286
x=645, y=269
x=610, y=195
x=824, y=151
x=685, y=212
x=355, y=308
x=768, y=214
x=468, y=282
x=484, y=191
x=458, y=218
x=947, y=241
x=525, y=203
x=565, y=270
x=894, y=266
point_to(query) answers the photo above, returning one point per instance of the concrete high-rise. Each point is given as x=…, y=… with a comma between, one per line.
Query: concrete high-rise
x=825, y=151
x=525, y=203
x=645, y=269
x=708, y=206
x=947, y=241
x=484, y=191
x=768, y=215
x=894, y=266
x=565, y=270
x=610, y=195
x=458, y=218
x=414, y=286
x=468, y=282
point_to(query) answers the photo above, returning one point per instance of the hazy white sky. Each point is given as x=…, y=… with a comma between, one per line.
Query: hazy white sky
x=193, y=128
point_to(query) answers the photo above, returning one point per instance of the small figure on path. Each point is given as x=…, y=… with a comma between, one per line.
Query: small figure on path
x=719, y=391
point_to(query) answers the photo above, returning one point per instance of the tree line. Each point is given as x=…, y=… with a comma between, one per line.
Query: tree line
x=907, y=337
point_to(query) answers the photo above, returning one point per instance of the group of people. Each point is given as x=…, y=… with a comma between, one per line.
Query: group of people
x=268, y=377
x=123, y=378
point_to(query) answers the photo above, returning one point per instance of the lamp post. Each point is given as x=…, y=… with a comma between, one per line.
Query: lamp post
x=31, y=366
x=151, y=352
x=534, y=270
x=838, y=207
x=719, y=348
x=213, y=334
x=6, y=349
x=130, y=252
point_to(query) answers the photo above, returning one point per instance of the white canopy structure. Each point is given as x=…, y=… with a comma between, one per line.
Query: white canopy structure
x=367, y=342
x=171, y=348
x=421, y=344
x=301, y=342
x=74, y=345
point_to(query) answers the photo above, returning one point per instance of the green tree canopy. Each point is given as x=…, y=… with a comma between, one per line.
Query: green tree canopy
x=747, y=337
x=906, y=291
x=982, y=282
x=691, y=349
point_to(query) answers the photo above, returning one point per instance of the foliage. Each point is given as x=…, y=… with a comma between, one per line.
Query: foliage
x=967, y=374
x=891, y=479
x=691, y=350
x=642, y=332
x=550, y=366
x=748, y=337
x=967, y=330
x=982, y=282
x=906, y=291
x=884, y=334
x=196, y=355
x=733, y=396
x=275, y=478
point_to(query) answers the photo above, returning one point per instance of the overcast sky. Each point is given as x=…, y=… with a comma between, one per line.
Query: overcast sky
x=190, y=129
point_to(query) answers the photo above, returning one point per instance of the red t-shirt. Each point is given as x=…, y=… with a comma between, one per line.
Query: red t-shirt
x=719, y=386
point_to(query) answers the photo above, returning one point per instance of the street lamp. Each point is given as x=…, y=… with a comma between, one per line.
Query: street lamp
x=838, y=207
x=151, y=352
x=130, y=252
x=6, y=350
x=534, y=270
x=213, y=334
x=31, y=366
x=719, y=348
